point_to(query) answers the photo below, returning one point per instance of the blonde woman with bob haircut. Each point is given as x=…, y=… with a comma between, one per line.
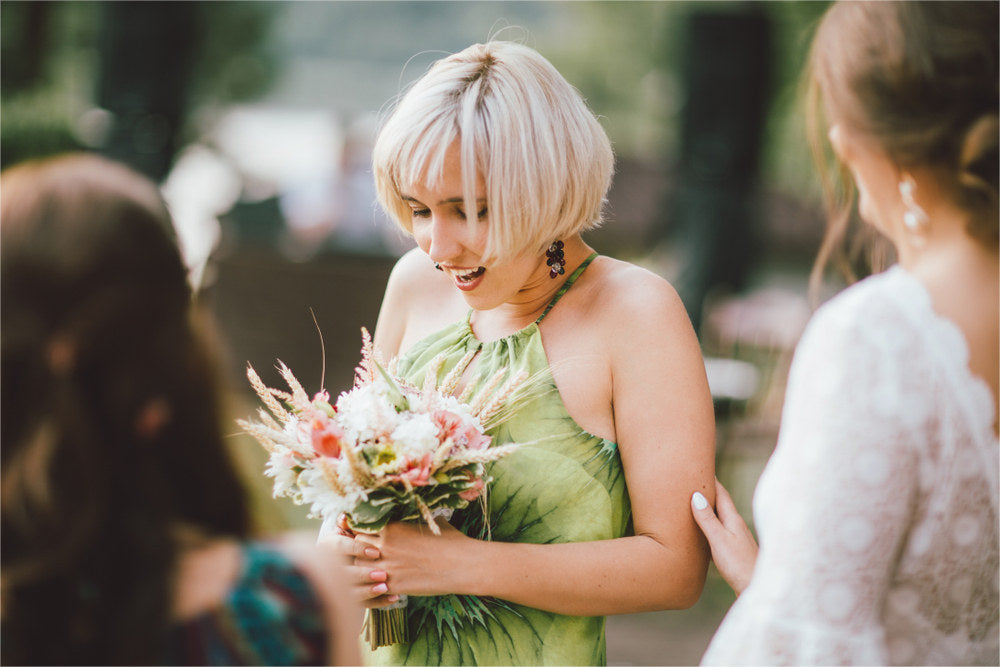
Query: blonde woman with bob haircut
x=495, y=165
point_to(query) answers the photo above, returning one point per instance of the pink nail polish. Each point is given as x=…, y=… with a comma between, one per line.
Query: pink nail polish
x=393, y=598
x=377, y=575
x=379, y=588
x=372, y=552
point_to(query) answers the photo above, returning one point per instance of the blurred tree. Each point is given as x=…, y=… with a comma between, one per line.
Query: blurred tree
x=147, y=55
x=727, y=92
x=124, y=77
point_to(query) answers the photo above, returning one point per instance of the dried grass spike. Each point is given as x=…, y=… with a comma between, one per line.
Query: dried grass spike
x=265, y=395
x=483, y=396
x=441, y=454
x=519, y=393
x=267, y=420
x=364, y=373
x=425, y=512
x=331, y=477
x=479, y=456
x=260, y=434
x=299, y=396
x=466, y=394
x=450, y=382
x=433, y=370
x=500, y=398
x=360, y=471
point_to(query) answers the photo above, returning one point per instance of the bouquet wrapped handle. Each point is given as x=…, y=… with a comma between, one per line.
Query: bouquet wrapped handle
x=385, y=626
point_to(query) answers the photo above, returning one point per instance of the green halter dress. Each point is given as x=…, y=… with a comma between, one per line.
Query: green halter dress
x=564, y=485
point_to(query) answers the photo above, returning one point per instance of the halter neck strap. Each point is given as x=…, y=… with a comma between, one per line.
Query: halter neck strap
x=566, y=285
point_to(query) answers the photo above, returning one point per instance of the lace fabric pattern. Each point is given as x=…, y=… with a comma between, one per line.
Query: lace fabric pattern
x=877, y=513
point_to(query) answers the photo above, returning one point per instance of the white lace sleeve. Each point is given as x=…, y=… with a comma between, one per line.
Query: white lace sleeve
x=834, y=505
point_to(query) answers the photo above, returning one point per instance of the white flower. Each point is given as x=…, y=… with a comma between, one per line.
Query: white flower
x=297, y=437
x=365, y=413
x=415, y=436
x=322, y=498
x=280, y=466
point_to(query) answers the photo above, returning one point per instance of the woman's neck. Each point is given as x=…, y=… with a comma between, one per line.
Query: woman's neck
x=962, y=277
x=531, y=300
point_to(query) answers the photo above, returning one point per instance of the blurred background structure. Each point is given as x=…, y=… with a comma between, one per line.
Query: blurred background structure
x=258, y=117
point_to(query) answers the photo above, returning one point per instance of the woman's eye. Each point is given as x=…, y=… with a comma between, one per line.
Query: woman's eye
x=420, y=212
x=480, y=214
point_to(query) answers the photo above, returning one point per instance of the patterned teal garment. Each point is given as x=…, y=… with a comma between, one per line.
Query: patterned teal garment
x=272, y=616
x=566, y=485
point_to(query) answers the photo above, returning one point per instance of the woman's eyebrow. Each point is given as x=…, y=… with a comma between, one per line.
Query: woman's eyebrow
x=450, y=200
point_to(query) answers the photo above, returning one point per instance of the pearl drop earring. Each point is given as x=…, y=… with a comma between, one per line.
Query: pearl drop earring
x=915, y=218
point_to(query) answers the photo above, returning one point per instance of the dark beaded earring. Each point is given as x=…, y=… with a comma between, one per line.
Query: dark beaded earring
x=556, y=259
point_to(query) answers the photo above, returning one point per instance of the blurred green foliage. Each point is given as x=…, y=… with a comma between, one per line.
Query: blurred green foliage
x=623, y=56
x=50, y=60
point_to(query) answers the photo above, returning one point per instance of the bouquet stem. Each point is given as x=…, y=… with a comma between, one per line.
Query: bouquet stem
x=386, y=626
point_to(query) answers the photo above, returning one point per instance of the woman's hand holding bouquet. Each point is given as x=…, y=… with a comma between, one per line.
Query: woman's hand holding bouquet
x=385, y=451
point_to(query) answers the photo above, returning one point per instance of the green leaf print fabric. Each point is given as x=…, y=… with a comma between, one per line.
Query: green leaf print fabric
x=564, y=485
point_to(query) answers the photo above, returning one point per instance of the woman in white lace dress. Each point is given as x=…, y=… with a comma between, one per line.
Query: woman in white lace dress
x=878, y=511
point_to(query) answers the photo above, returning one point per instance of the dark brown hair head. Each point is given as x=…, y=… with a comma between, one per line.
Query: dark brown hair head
x=110, y=426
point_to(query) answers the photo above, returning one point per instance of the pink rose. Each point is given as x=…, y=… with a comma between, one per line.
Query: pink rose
x=327, y=436
x=447, y=423
x=473, y=491
x=462, y=433
x=418, y=473
x=474, y=439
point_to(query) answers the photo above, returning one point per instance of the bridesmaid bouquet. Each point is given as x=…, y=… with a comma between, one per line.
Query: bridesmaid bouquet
x=384, y=451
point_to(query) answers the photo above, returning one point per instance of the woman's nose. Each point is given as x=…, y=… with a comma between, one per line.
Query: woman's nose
x=443, y=240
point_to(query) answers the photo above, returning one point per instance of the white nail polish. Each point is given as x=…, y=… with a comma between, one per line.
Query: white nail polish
x=699, y=501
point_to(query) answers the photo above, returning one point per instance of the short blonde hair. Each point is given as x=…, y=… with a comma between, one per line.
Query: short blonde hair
x=546, y=160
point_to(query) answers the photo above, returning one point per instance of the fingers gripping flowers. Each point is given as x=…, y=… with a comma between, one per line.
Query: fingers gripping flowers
x=385, y=450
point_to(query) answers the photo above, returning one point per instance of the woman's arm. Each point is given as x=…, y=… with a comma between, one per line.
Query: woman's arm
x=393, y=313
x=665, y=432
x=329, y=578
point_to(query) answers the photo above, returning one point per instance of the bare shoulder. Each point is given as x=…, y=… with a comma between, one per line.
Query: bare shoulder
x=633, y=297
x=414, y=293
x=413, y=276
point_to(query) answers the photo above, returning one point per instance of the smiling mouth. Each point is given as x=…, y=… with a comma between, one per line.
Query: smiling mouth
x=471, y=275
